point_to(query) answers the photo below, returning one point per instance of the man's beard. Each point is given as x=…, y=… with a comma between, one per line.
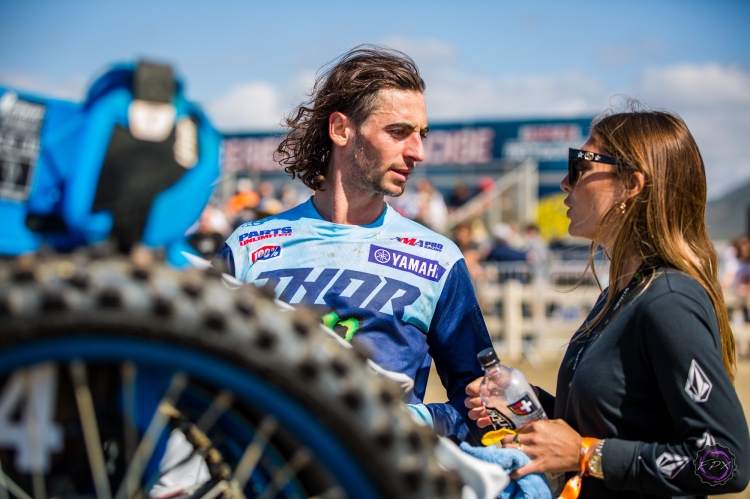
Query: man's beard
x=367, y=170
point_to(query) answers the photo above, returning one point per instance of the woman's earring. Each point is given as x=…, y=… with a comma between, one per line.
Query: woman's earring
x=623, y=206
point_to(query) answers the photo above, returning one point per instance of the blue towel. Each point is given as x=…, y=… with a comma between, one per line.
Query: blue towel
x=532, y=486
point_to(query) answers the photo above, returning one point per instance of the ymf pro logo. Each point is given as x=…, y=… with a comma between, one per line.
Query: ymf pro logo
x=265, y=253
x=413, y=241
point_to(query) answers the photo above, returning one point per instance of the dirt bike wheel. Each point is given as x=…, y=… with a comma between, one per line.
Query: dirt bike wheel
x=269, y=403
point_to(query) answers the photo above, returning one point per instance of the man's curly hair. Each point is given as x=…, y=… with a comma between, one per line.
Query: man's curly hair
x=349, y=85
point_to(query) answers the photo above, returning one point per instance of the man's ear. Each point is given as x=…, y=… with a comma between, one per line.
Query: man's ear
x=340, y=128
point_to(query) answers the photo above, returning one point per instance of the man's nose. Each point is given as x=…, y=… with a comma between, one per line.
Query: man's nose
x=415, y=148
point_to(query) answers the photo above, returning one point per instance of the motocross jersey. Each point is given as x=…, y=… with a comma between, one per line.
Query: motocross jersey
x=393, y=286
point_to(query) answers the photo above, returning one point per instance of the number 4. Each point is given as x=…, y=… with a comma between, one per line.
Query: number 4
x=36, y=435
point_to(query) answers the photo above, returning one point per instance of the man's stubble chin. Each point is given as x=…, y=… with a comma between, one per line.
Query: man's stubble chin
x=367, y=171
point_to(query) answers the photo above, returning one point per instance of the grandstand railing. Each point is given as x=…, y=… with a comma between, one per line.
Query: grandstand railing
x=537, y=309
x=524, y=179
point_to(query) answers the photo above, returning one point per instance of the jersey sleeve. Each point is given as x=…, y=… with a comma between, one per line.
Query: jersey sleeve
x=224, y=260
x=457, y=333
x=710, y=454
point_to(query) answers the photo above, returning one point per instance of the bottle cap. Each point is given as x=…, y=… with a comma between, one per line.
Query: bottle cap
x=488, y=357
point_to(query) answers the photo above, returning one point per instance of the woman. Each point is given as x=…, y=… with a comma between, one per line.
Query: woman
x=648, y=376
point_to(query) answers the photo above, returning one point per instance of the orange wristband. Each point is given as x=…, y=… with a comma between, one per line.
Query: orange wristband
x=573, y=488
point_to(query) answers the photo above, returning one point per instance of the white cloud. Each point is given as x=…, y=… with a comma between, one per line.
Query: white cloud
x=452, y=95
x=714, y=101
x=701, y=85
x=75, y=89
x=254, y=105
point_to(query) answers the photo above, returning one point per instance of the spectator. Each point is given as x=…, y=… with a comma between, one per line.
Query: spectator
x=742, y=276
x=289, y=197
x=729, y=263
x=212, y=232
x=269, y=205
x=406, y=204
x=460, y=195
x=536, y=249
x=432, y=212
x=501, y=250
x=240, y=206
x=469, y=248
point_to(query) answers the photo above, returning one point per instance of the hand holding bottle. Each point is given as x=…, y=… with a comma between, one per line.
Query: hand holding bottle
x=552, y=445
x=512, y=406
x=473, y=402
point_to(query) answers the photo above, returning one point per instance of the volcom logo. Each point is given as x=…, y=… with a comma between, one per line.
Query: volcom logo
x=671, y=464
x=706, y=440
x=698, y=386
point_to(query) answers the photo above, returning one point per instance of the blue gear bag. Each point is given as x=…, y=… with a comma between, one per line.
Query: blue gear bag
x=135, y=162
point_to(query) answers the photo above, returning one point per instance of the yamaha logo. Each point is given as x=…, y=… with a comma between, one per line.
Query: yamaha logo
x=382, y=256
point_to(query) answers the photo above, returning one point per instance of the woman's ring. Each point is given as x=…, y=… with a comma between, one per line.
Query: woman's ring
x=516, y=439
x=520, y=447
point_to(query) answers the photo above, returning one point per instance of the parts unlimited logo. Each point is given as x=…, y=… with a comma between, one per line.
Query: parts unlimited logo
x=259, y=235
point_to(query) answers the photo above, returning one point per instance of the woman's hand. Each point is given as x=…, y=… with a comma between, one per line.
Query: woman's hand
x=552, y=446
x=477, y=412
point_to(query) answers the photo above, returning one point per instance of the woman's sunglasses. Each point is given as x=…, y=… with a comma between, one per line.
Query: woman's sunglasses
x=575, y=156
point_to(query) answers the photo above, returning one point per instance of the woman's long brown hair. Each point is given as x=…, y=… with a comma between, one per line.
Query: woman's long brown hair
x=665, y=222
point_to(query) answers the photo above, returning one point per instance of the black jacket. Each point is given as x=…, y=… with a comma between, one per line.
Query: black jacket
x=650, y=380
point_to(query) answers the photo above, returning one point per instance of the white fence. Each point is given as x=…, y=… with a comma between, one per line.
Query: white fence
x=530, y=310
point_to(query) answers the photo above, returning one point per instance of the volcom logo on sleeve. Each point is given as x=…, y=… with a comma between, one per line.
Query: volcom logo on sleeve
x=671, y=464
x=706, y=439
x=698, y=386
x=714, y=463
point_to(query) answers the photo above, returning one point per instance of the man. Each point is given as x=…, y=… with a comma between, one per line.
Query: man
x=376, y=278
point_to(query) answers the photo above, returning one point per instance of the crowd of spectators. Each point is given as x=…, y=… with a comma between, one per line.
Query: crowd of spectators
x=501, y=243
x=424, y=204
x=248, y=204
x=504, y=243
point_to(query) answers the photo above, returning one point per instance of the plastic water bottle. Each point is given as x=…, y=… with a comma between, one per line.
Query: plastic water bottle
x=511, y=402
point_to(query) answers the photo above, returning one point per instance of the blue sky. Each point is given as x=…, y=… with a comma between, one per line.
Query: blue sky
x=249, y=62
